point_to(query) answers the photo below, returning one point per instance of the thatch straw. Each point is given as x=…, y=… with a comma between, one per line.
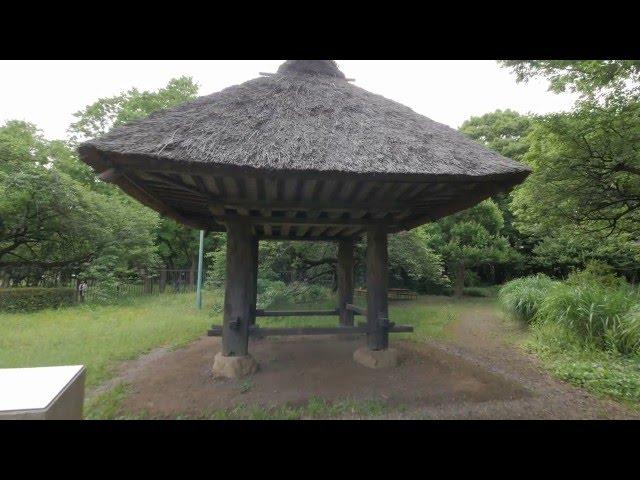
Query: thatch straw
x=306, y=117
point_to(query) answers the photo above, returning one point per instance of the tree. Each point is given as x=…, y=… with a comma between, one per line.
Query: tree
x=592, y=79
x=470, y=239
x=504, y=131
x=107, y=113
x=586, y=172
x=50, y=223
x=565, y=251
x=508, y=133
x=581, y=202
x=177, y=244
x=413, y=263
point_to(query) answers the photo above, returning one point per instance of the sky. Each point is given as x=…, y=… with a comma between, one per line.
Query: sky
x=48, y=92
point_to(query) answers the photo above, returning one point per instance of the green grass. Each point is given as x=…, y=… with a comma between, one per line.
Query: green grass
x=523, y=297
x=604, y=373
x=586, y=330
x=99, y=336
x=315, y=408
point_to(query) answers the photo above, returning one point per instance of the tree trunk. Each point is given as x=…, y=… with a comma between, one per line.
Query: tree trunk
x=459, y=282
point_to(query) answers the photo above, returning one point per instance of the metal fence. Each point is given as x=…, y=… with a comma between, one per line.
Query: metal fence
x=161, y=282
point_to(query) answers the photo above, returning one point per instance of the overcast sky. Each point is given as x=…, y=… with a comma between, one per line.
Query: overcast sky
x=47, y=93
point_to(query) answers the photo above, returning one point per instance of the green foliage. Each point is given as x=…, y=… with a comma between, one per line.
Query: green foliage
x=101, y=116
x=599, y=314
x=478, y=292
x=586, y=169
x=508, y=133
x=52, y=224
x=586, y=172
x=566, y=250
x=414, y=264
x=29, y=299
x=470, y=239
x=523, y=297
x=594, y=306
x=503, y=131
x=590, y=78
x=275, y=292
x=601, y=372
x=176, y=245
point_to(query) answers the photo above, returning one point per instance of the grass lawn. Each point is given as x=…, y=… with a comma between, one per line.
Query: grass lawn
x=99, y=336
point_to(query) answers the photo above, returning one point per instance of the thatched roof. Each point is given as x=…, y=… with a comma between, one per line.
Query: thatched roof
x=306, y=117
x=302, y=153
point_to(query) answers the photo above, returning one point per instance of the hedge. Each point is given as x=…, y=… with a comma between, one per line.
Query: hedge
x=28, y=299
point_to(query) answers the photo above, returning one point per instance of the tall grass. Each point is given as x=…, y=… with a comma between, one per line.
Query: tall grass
x=597, y=313
x=523, y=297
x=599, y=310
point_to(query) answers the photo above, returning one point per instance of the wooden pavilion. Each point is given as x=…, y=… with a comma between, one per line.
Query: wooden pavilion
x=301, y=154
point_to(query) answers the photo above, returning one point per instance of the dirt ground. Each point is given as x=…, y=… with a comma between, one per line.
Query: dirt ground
x=479, y=373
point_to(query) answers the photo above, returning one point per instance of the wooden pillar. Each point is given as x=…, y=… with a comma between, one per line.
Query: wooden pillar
x=254, y=292
x=377, y=284
x=345, y=280
x=163, y=280
x=239, y=286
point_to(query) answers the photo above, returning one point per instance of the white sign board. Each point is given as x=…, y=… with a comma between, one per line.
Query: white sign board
x=42, y=393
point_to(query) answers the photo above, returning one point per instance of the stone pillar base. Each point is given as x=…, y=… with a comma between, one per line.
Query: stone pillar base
x=376, y=358
x=233, y=367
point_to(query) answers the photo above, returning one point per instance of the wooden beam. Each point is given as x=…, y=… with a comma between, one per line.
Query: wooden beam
x=253, y=296
x=256, y=331
x=129, y=184
x=305, y=205
x=295, y=313
x=239, y=287
x=160, y=164
x=321, y=238
x=110, y=175
x=345, y=280
x=377, y=284
x=356, y=309
x=326, y=222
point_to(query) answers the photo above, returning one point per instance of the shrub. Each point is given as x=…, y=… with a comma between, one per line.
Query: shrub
x=106, y=291
x=272, y=293
x=476, y=292
x=606, y=315
x=523, y=297
x=28, y=299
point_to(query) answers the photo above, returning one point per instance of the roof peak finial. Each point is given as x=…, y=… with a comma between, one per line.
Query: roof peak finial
x=327, y=68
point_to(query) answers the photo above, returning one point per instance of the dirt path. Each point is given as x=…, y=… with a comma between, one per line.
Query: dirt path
x=479, y=372
x=483, y=338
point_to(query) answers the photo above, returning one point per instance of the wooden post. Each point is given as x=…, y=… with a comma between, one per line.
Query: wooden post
x=239, y=286
x=377, y=283
x=345, y=281
x=163, y=280
x=255, y=244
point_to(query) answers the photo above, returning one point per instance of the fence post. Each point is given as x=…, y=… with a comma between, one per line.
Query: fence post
x=199, y=280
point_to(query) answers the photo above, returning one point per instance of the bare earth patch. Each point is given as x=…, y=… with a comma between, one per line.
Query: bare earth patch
x=477, y=374
x=294, y=370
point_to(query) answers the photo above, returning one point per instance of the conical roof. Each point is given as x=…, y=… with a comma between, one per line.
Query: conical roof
x=306, y=117
x=302, y=153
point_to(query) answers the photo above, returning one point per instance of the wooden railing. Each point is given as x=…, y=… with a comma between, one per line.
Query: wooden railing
x=392, y=293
